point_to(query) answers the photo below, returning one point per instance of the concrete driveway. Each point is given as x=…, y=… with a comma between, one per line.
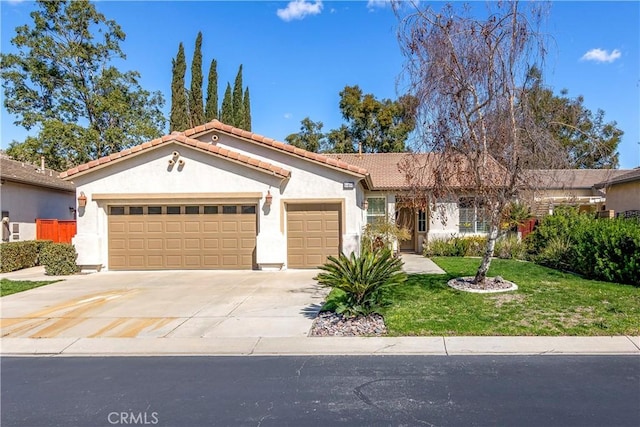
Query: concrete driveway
x=172, y=304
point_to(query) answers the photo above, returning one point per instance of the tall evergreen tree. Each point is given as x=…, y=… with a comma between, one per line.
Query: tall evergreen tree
x=226, y=112
x=211, y=109
x=179, y=119
x=196, y=110
x=238, y=104
x=247, y=110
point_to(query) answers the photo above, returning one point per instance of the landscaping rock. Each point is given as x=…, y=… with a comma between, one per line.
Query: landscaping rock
x=329, y=324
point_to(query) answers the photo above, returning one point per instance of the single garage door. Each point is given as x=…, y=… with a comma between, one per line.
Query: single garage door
x=313, y=233
x=170, y=237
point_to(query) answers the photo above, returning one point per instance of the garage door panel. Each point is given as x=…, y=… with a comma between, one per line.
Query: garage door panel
x=182, y=241
x=313, y=234
x=192, y=227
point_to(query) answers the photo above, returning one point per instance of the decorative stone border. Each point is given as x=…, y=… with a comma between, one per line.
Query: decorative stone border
x=497, y=284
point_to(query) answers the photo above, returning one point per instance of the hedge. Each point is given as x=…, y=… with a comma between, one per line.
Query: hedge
x=19, y=255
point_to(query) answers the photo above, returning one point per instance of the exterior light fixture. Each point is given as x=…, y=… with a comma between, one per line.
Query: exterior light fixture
x=268, y=198
x=82, y=200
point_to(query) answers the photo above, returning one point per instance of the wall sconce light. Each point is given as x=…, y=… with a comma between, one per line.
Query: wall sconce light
x=82, y=200
x=365, y=204
x=268, y=198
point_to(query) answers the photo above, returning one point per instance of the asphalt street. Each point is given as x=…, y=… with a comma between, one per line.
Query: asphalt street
x=321, y=390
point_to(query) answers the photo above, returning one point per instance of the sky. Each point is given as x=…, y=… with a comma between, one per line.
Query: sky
x=297, y=56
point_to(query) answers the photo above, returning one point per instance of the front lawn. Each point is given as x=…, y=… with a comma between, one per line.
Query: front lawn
x=8, y=287
x=548, y=302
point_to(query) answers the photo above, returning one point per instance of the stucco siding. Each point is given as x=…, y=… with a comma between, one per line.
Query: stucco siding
x=26, y=203
x=624, y=196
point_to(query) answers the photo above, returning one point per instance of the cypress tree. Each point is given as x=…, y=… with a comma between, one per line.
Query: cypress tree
x=196, y=111
x=226, y=112
x=179, y=119
x=247, y=110
x=211, y=109
x=238, y=105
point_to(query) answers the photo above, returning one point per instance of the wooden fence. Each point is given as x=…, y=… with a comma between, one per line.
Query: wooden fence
x=527, y=227
x=60, y=231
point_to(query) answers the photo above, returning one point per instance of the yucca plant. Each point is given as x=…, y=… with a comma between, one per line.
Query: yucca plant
x=362, y=278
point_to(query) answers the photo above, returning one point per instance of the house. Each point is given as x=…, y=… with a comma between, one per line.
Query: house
x=218, y=197
x=570, y=187
x=29, y=192
x=623, y=193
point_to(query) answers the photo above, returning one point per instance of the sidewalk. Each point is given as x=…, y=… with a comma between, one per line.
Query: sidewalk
x=290, y=346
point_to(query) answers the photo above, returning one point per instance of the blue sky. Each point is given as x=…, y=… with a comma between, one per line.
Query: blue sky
x=297, y=56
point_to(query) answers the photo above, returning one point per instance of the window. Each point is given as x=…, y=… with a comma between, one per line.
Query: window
x=422, y=221
x=229, y=209
x=173, y=210
x=210, y=210
x=154, y=210
x=192, y=210
x=116, y=210
x=135, y=210
x=376, y=209
x=248, y=209
x=471, y=218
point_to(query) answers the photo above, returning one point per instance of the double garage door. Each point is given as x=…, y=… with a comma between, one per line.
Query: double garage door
x=171, y=237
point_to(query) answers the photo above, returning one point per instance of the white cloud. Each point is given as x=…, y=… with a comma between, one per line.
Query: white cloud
x=372, y=4
x=287, y=116
x=299, y=9
x=600, y=55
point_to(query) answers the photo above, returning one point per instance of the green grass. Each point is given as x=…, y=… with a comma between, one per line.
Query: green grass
x=8, y=287
x=547, y=302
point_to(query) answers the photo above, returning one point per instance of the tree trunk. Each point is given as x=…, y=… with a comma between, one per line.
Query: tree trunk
x=481, y=274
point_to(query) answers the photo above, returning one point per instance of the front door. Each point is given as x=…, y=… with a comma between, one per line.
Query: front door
x=405, y=218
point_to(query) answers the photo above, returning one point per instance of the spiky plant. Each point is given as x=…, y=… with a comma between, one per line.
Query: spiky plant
x=362, y=278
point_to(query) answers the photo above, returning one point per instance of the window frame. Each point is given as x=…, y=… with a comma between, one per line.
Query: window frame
x=373, y=217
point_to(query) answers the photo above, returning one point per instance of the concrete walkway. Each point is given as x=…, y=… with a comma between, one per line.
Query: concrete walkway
x=418, y=264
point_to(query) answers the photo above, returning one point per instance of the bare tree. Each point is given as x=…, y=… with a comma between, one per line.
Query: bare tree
x=467, y=74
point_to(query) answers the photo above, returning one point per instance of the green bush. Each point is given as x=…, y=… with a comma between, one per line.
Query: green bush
x=363, y=279
x=18, y=255
x=40, y=246
x=456, y=246
x=59, y=259
x=607, y=249
x=510, y=247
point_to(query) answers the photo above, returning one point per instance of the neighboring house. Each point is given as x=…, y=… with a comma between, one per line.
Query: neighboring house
x=623, y=193
x=570, y=187
x=27, y=193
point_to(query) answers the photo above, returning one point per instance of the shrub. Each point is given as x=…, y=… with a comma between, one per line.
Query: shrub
x=456, y=246
x=609, y=249
x=18, y=255
x=363, y=279
x=59, y=259
x=510, y=247
x=381, y=235
x=40, y=247
x=606, y=249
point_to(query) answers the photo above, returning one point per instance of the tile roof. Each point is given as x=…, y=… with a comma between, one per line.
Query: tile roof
x=25, y=173
x=629, y=176
x=572, y=178
x=287, y=148
x=403, y=171
x=184, y=140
